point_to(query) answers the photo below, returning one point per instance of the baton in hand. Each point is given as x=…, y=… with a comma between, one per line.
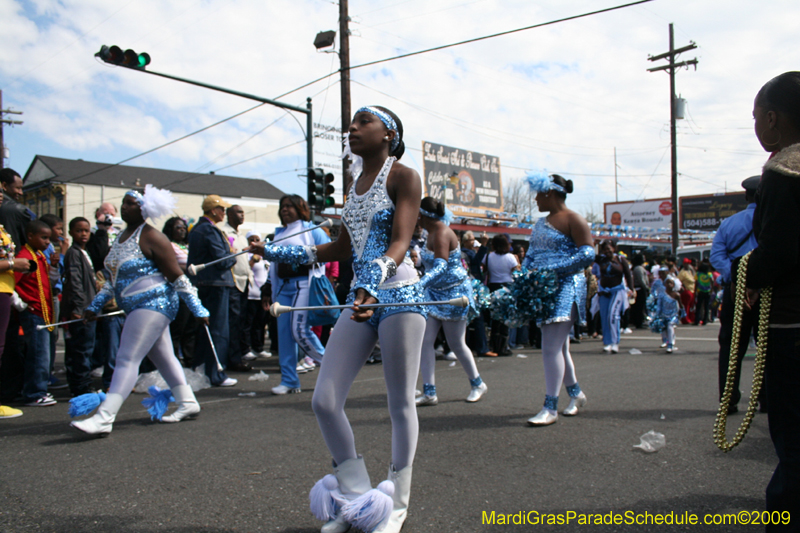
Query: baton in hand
x=41, y=327
x=194, y=269
x=277, y=309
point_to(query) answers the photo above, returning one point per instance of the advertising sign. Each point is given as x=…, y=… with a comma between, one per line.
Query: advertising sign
x=327, y=154
x=469, y=181
x=706, y=212
x=643, y=213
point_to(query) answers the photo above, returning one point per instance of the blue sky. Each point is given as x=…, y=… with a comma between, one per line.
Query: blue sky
x=559, y=98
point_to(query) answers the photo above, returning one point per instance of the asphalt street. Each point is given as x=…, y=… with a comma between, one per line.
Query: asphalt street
x=247, y=463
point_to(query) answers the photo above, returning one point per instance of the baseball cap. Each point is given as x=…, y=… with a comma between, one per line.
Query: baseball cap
x=751, y=183
x=212, y=200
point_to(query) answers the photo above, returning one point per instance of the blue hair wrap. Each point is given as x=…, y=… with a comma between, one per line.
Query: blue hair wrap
x=387, y=120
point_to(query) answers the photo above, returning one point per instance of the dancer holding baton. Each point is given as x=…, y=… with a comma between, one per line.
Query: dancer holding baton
x=146, y=282
x=378, y=220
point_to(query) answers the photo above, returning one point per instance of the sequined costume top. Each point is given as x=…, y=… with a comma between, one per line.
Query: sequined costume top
x=552, y=250
x=668, y=308
x=450, y=282
x=368, y=218
x=135, y=281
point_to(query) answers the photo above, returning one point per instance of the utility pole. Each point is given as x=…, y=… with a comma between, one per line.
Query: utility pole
x=3, y=122
x=671, y=67
x=616, y=187
x=344, y=63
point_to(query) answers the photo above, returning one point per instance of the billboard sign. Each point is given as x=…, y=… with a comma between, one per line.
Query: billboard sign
x=469, y=181
x=655, y=213
x=706, y=212
x=328, y=155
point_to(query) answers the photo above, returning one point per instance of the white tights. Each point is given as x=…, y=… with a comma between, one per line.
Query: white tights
x=558, y=365
x=349, y=346
x=454, y=332
x=145, y=334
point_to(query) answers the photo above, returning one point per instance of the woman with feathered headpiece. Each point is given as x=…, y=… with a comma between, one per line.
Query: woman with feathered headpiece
x=562, y=243
x=146, y=282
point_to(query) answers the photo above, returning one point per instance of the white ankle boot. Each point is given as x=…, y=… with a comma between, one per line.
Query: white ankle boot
x=331, y=493
x=187, y=404
x=402, y=492
x=100, y=424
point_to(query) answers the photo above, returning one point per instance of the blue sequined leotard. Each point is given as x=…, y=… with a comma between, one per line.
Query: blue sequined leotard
x=368, y=218
x=453, y=282
x=135, y=282
x=548, y=247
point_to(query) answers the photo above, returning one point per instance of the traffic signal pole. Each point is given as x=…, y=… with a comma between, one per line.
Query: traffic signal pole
x=306, y=110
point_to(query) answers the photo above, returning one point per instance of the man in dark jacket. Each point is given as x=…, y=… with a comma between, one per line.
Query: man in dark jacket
x=13, y=215
x=207, y=243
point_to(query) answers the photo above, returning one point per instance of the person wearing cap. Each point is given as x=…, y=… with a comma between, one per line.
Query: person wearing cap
x=242, y=280
x=207, y=243
x=255, y=316
x=734, y=239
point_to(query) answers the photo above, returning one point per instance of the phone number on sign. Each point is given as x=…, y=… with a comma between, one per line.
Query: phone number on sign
x=701, y=223
x=535, y=518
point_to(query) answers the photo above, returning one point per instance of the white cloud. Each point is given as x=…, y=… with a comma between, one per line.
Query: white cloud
x=561, y=97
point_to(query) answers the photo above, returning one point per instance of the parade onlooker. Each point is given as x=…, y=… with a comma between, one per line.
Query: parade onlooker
x=206, y=243
x=8, y=265
x=255, y=317
x=242, y=279
x=55, y=259
x=704, y=285
x=687, y=276
x=500, y=263
x=79, y=289
x=735, y=238
x=13, y=215
x=641, y=284
x=34, y=289
x=183, y=329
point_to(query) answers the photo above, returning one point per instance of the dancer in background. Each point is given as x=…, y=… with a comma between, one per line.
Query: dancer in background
x=562, y=243
x=378, y=220
x=445, y=279
x=146, y=282
x=290, y=286
x=613, y=289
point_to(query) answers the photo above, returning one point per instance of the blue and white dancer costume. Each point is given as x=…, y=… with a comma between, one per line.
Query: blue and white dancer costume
x=345, y=498
x=665, y=313
x=612, y=300
x=150, y=303
x=552, y=250
x=445, y=280
x=293, y=328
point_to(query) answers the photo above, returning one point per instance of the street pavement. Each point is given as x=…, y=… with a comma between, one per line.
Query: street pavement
x=247, y=463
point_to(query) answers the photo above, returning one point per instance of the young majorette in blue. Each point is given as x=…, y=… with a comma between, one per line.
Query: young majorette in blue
x=562, y=243
x=445, y=279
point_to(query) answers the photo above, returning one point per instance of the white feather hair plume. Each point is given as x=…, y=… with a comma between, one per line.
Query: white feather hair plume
x=157, y=202
x=356, y=163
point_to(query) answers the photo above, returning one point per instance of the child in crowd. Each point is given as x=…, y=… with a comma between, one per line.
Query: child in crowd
x=55, y=258
x=78, y=292
x=34, y=289
x=664, y=305
x=703, y=288
x=256, y=316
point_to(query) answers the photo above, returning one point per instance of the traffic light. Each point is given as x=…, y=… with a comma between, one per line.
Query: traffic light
x=327, y=193
x=115, y=56
x=320, y=189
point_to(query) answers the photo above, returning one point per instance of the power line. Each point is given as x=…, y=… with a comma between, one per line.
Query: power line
x=476, y=39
